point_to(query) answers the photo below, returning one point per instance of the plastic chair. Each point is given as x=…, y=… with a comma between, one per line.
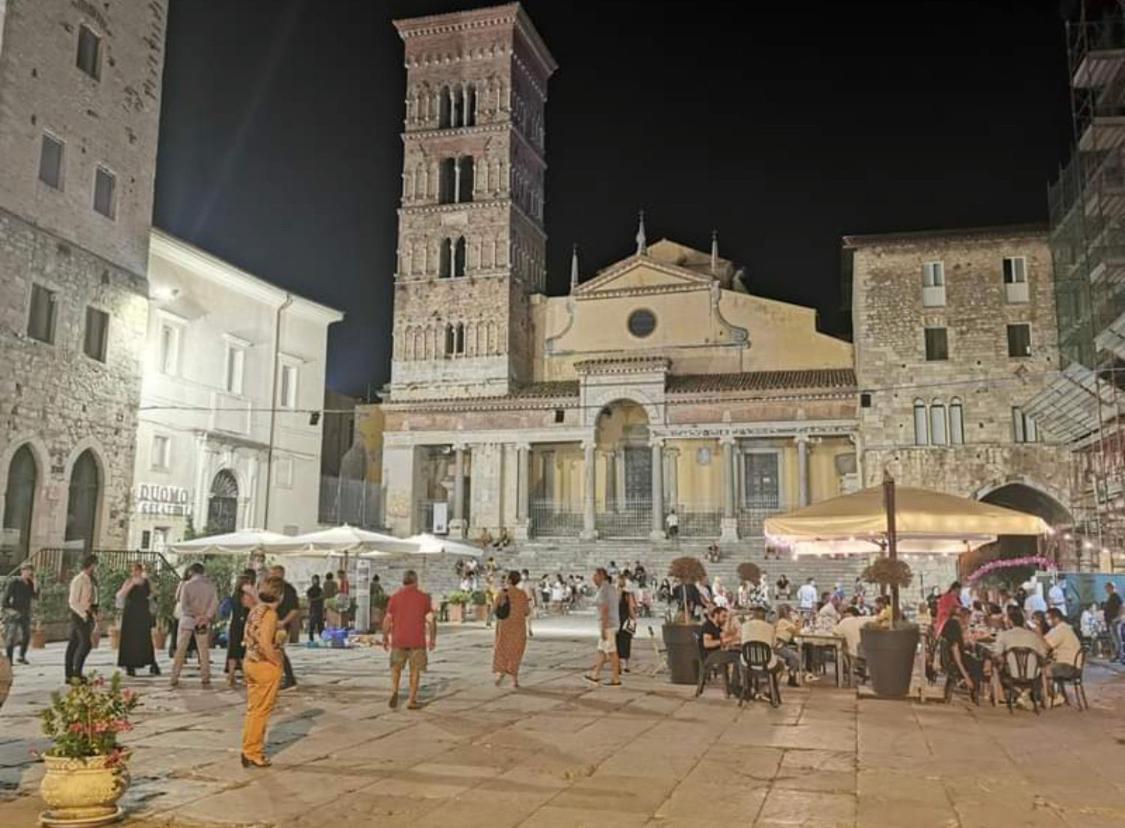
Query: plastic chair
x=1022, y=671
x=660, y=660
x=755, y=661
x=1061, y=682
x=707, y=664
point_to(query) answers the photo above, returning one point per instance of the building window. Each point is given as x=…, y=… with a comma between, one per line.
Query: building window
x=933, y=284
x=1024, y=429
x=761, y=480
x=146, y=539
x=1015, y=270
x=921, y=424
x=105, y=191
x=465, y=178
x=161, y=452
x=956, y=422
x=1019, y=340
x=51, y=162
x=938, y=434
x=44, y=312
x=459, y=254
x=89, y=52
x=170, y=335
x=447, y=181
x=641, y=323
x=97, y=334
x=288, y=386
x=445, y=108
x=937, y=344
x=236, y=361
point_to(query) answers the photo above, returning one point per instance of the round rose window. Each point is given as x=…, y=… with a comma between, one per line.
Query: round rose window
x=641, y=323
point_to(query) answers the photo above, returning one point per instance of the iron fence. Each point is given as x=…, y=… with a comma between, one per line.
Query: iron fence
x=550, y=519
x=699, y=520
x=625, y=519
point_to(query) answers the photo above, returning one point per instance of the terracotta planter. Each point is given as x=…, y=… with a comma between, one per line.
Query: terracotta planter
x=114, y=637
x=456, y=613
x=82, y=791
x=890, y=658
x=38, y=638
x=159, y=639
x=481, y=611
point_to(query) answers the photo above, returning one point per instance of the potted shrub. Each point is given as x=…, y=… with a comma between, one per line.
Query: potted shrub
x=86, y=767
x=456, y=601
x=49, y=612
x=680, y=631
x=890, y=650
x=479, y=600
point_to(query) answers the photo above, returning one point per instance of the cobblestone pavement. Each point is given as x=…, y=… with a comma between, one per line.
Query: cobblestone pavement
x=561, y=753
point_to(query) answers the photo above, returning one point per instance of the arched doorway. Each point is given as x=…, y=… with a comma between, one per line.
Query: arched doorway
x=82, y=502
x=1022, y=498
x=19, y=502
x=222, y=506
x=625, y=469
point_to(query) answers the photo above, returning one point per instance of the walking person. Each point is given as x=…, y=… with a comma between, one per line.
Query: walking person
x=315, y=596
x=243, y=599
x=83, y=603
x=409, y=617
x=529, y=590
x=627, y=611
x=511, y=609
x=288, y=618
x=18, y=596
x=262, y=666
x=199, y=604
x=609, y=619
x=135, y=648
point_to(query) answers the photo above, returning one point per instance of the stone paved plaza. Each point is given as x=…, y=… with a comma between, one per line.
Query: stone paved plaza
x=560, y=753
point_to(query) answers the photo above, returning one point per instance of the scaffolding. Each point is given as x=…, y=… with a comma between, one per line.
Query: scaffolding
x=1087, y=239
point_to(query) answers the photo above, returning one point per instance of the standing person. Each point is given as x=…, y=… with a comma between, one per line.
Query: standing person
x=946, y=605
x=511, y=630
x=410, y=615
x=243, y=599
x=672, y=522
x=345, y=589
x=331, y=589
x=627, y=611
x=262, y=666
x=529, y=590
x=1112, y=611
x=199, y=603
x=806, y=597
x=135, y=648
x=783, y=588
x=315, y=594
x=288, y=619
x=83, y=603
x=18, y=596
x=609, y=619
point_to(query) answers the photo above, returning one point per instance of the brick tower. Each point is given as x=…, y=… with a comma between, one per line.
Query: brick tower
x=471, y=243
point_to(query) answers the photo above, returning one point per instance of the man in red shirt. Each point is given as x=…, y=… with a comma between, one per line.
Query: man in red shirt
x=409, y=615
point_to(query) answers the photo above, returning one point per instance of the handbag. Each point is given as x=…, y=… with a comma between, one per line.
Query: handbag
x=504, y=609
x=630, y=626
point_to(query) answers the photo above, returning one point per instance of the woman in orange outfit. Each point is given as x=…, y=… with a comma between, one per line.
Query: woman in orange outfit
x=262, y=668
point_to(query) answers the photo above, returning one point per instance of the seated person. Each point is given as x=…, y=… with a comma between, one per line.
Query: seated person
x=828, y=614
x=1018, y=635
x=1063, y=644
x=757, y=628
x=848, y=629
x=969, y=667
x=718, y=643
x=784, y=631
x=882, y=611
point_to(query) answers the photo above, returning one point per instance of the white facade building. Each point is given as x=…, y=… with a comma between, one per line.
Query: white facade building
x=206, y=422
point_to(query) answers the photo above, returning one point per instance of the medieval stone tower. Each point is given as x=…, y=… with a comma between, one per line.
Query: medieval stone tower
x=471, y=243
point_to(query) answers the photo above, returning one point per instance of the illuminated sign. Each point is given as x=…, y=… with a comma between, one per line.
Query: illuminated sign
x=168, y=501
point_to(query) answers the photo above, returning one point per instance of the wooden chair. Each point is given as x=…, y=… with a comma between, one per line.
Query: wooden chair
x=1022, y=670
x=952, y=674
x=755, y=662
x=1060, y=682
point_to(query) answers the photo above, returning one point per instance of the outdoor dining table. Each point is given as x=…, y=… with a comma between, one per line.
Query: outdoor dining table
x=815, y=639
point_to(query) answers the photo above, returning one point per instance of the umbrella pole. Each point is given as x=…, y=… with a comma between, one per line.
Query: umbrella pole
x=892, y=537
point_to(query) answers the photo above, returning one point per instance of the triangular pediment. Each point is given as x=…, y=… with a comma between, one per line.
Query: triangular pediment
x=643, y=274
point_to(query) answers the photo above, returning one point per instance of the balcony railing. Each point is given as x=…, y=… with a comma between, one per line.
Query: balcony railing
x=1085, y=40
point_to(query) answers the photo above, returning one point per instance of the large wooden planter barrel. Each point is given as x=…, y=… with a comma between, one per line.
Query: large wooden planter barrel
x=890, y=658
x=682, y=651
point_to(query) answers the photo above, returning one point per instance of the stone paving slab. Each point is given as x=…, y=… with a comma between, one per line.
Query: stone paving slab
x=561, y=753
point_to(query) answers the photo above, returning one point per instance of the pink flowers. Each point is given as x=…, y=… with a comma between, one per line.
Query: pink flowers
x=85, y=720
x=1037, y=561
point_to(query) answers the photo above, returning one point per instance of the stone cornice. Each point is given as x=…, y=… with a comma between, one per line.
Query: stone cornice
x=433, y=209
x=623, y=365
x=479, y=129
x=615, y=293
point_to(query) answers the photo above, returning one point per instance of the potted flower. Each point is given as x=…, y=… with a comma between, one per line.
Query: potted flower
x=456, y=601
x=479, y=599
x=890, y=649
x=86, y=767
x=680, y=630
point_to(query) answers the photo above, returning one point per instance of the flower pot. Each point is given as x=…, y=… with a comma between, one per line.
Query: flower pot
x=456, y=613
x=114, y=637
x=83, y=791
x=481, y=611
x=159, y=639
x=38, y=638
x=890, y=658
x=681, y=645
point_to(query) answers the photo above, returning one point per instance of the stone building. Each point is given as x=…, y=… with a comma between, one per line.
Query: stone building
x=954, y=330
x=658, y=385
x=229, y=432
x=80, y=86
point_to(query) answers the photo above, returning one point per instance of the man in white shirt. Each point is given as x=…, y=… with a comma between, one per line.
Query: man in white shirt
x=83, y=603
x=1064, y=645
x=756, y=628
x=806, y=597
x=848, y=629
x=828, y=614
x=672, y=523
x=1056, y=596
x=199, y=604
x=1034, y=602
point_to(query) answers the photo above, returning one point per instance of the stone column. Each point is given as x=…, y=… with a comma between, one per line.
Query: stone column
x=619, y=479
x=610, y=481
x=523, y=491
x=802, y=469
x=729, y=523
x=589, y=530
x=657, y=490
x=672, y=469
x=457, y=525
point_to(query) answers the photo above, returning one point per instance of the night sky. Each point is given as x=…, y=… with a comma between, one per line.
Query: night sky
x=783, y=126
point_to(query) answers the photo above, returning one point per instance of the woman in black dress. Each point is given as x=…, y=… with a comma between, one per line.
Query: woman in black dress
x=627, y=610
x=242, y=600
x=135, y=648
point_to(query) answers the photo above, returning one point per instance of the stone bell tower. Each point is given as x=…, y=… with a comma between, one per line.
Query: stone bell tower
x=471, y=243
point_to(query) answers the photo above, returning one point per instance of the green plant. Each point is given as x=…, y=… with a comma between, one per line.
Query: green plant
x=457, y=597
x=478, y=598
x=887, y=572
x=749, y=573
x=110, y=579
x=51, y=605
x=686, y=570
x=87, y=719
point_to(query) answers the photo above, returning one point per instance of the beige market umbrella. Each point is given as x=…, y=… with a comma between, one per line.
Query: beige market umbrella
x=345, y=539
x=926, y=522
x=242, y=542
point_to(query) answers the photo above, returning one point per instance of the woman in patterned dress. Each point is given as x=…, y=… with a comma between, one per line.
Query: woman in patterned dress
x=262, y=668
x=511, y=632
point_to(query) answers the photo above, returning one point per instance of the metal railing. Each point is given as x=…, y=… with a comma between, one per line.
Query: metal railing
x=625, y=519
x=550, y=519
x=699, y=520
x=357, y=502
x=1083, y=38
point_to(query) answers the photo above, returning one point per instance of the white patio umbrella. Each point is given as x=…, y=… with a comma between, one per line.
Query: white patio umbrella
x=242, y=542
x=427, y=544
x=345, y=540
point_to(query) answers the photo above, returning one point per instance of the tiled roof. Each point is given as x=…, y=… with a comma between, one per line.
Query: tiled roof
x=818, y=378
x=546, y=390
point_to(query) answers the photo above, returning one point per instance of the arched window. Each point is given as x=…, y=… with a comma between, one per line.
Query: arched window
x=222, y=506
x=921, y=424
x=450, y=340
x=465, y=178
x=19, y=503
x=956, y=422
x=447, y=181
x=459, y=257
x=938, y=433
x=445, y=259
x=459, y=339
x=445, y=108
x=470, y=105
x=82, y=501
